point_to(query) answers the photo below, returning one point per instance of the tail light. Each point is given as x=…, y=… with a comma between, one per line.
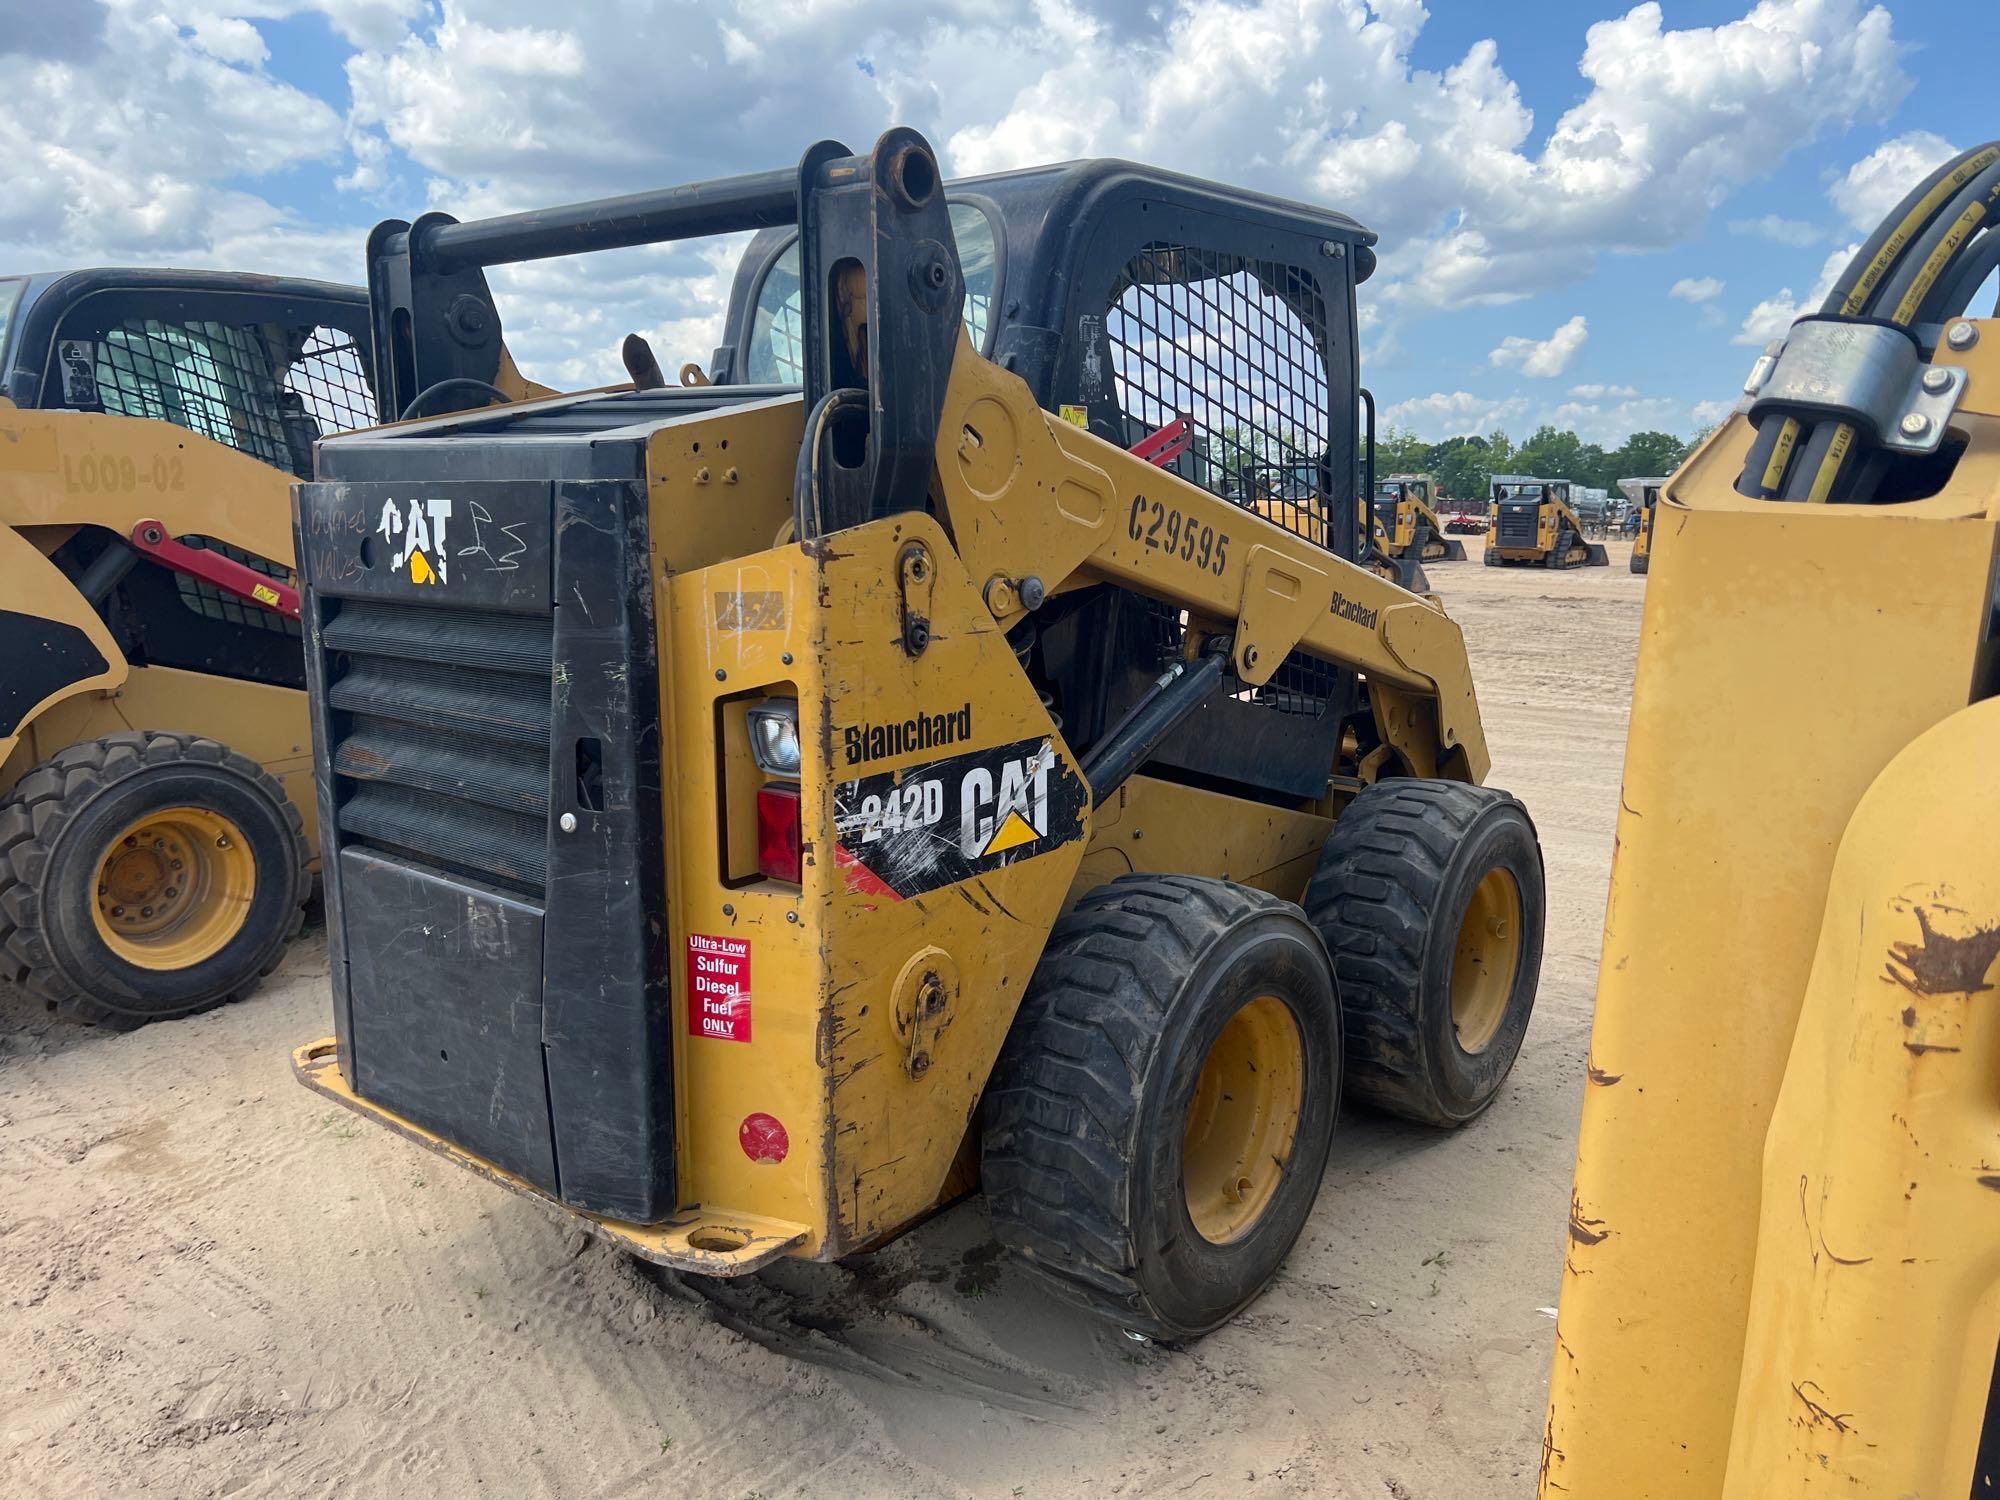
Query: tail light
x=780, y=838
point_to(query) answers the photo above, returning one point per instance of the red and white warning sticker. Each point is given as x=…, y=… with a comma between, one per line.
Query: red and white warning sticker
x=719, y=987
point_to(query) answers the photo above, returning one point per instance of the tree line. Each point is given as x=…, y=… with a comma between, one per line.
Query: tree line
x=1464, y=466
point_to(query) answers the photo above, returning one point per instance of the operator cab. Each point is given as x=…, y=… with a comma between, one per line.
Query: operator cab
x=1210, y=328
x=264, y=365
x=1391, y=493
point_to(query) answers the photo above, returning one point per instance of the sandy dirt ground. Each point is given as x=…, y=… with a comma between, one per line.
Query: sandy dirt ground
x=215, y=1284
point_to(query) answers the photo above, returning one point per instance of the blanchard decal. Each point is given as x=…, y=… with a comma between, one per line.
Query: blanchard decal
x=418, y=539
x=865, y=742
x=1350, y=609
x=901, y=833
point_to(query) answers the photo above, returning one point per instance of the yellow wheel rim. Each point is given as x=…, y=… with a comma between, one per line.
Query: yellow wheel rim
x=174, y=887
x=1242, y=1120
x=1486, y=959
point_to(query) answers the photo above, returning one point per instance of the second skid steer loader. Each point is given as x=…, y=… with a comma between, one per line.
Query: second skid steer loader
x=1645, y=496
x=1780, y=1275
x=1536, y=522
x=156, y=808
x=1407, y=523
x=750, y=805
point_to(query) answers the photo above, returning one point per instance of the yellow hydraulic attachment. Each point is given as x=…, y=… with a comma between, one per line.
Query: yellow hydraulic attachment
x=1783, y=1262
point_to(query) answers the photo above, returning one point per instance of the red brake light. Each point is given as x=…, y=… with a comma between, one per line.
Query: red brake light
x=780, y=838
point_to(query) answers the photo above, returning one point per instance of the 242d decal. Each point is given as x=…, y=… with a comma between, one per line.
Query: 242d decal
x=911, y=831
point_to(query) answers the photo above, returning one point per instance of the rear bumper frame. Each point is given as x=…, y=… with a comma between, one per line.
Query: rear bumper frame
x=707, y=1241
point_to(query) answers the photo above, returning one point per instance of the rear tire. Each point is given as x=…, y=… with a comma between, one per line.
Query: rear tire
x=1418, y=888
x=242, y=852
x=1134, y=1151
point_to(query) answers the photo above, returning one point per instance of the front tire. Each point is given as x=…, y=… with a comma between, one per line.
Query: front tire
x=1163, y=1108
x=147, y=876
x=1430, y=897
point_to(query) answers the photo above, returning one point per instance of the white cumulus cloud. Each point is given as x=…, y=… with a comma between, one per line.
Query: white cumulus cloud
x=1873, y=186
x=1696, y=288
x=1779, y=230
x=1449, y=414
x=1547, y=357
x=145, y=127
x=1608, y=426
x=1772, y=316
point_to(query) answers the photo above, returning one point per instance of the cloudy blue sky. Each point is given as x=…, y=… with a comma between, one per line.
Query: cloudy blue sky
x=1589, y=213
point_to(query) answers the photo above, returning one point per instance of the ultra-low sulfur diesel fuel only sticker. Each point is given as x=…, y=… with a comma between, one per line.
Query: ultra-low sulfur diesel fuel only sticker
x=718, y=987
x=901, y=833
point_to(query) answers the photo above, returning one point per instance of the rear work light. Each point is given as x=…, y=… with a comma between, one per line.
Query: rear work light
x=780, y=839
x=774, y=736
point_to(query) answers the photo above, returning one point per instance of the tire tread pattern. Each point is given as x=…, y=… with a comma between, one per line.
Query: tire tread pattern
x=1063, y=1115
x=34, y=817
x=1371, y=899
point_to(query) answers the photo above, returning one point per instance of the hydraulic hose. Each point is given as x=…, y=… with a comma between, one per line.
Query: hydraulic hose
x=1852, y=293
x=418, y=402
x=1922, y=265
x=808, y=509
x=1972, y=189
x=1978, y=263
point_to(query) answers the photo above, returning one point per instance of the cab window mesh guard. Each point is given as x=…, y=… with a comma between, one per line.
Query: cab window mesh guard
x=1235, y=346
x=221, y=380
x=1303, y=685
x=206, y=599
x=329, y=374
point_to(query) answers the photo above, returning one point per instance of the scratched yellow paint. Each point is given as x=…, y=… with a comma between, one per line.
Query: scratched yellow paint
x=1788, y=655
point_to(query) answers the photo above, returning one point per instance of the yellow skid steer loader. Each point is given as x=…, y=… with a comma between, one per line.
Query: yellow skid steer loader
x=1535, y=522
x=1645, y=497
x=746, y=804
x=1407, y=522
x=156, y=807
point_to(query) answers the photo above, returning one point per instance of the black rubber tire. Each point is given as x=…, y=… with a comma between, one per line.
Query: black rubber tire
x=53, y=830
x=1638, y=565
x=1081, y=1149
x=1492, y=558
x=1390, y=893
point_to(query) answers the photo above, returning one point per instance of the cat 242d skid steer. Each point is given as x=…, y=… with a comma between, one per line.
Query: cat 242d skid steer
x=753, y=808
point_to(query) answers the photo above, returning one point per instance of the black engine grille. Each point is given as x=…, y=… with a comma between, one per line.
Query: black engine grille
x=433, y=708
x=1515, y=526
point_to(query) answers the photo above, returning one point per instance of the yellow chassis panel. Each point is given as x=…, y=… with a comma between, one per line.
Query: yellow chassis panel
x=1759, y=1242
